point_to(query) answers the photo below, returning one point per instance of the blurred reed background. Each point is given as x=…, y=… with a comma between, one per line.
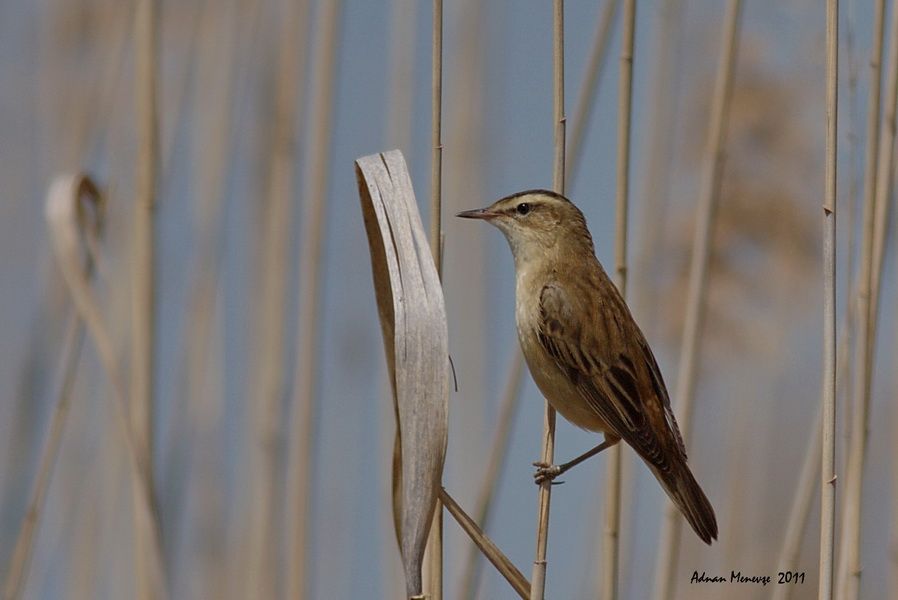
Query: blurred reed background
x=264, y=406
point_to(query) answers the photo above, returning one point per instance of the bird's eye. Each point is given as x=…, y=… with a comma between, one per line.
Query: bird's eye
x=523, y=208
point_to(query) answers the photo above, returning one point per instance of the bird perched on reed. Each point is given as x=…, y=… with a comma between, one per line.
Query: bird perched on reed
x=586, y=353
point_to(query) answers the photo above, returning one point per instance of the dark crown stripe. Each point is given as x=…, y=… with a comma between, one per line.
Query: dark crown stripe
x=549, y=193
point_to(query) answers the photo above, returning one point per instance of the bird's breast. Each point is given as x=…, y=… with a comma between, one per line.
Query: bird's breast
x=554, y=383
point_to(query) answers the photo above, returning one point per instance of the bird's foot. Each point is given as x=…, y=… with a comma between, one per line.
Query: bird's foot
x=546, y=472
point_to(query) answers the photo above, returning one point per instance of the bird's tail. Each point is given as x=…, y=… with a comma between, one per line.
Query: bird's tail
x=686, y=493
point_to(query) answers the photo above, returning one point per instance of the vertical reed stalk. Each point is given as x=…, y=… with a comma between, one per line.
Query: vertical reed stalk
x=698, y=281
x=875, y=217
x=828, y=475
x=885, y=182
x=436, y=136
x=846, y=332
x=611, y=538
x=586, y=99
x=433, y=556
x=434, y=548
x=144, y=294
x=143, y=306
x=269, y=386
x=538, y=579
x=315, y=185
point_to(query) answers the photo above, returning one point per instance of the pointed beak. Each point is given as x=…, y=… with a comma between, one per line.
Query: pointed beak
x=480, y=213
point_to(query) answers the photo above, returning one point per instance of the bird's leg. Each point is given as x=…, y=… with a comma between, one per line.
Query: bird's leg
x=546, y=472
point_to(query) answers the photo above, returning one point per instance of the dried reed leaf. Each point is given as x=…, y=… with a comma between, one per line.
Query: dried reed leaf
x=73, y=212
x=413, y=320
x=90, y=217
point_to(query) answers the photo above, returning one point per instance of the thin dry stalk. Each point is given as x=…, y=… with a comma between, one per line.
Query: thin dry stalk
x=261, y=579
x=885, y=182
x=434, y=550
x=538, y=579
x=625, y=111
x=875, y=216
x=871, y=164
x=505, y=567
x=611, y=536
x=23, y=550
x=433, y=556
x=586, y=99
x=143, y=305
x=223, y=44
x=844, y=376
x=315, y=185
x=507, y=409
x=436, y=136
x=828, y=397
x=698, y=281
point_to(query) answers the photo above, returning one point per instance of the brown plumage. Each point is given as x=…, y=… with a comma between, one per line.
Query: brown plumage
x=585, y=351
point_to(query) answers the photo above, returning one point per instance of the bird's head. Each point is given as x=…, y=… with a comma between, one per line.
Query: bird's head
x=536, y=222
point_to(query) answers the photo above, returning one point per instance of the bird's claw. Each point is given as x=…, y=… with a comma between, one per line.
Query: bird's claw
x=546, y=472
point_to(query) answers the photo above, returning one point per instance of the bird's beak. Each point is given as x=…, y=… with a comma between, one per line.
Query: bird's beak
x=481, y=213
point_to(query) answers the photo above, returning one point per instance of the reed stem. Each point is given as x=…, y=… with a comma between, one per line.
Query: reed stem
x=698, y=281
x=143, y=306
x=434, y=550
x=875, y=218
x=828, y=475
x=611, y=537
x=538, y=579
x=315, y=184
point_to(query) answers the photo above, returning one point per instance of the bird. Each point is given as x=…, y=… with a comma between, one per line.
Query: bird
x=585, y=351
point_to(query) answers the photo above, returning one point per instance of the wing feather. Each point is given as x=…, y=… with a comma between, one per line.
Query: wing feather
x=612, y=368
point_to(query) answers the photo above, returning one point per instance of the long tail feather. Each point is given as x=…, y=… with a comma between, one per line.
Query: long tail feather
x=686, y=493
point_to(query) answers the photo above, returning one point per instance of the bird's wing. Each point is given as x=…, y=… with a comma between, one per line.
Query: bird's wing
x=611, y=366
